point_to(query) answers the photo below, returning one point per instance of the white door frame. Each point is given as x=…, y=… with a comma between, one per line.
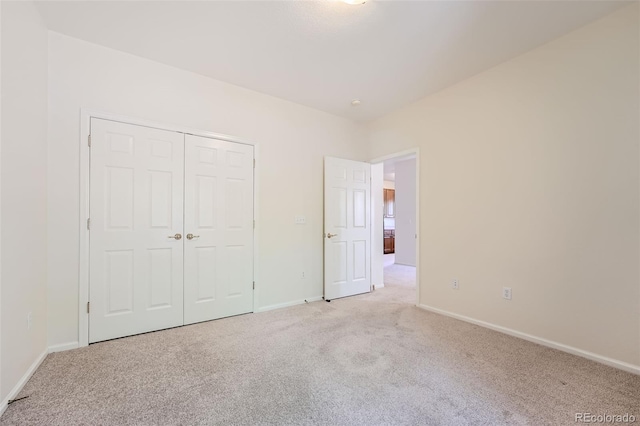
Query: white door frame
x=377, y=233
x=86, y=114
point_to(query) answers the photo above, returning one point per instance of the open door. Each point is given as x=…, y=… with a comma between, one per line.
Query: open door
x=347, y=228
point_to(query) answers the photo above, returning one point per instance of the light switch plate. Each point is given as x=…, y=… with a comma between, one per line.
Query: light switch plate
x=300, y=220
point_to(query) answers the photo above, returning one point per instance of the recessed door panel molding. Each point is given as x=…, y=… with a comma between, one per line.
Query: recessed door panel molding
x=219, y=220
x=161, y=192
x=205, y=202
x=136, y=204
x=340, y=211
x=119, y=281
x=119, y=143
x=237, y=272
x=206, y=259
x=161, y=149
x=360, y=208
x=360, y=261
x=207, y=156
x=118, y=198
x=340, y=260
x=160, y=278
x=236, y=159
x=360, y=176
x=234, y=203
x=347, y=248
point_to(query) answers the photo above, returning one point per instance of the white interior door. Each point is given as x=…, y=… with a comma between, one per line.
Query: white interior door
x=218, y=258
x=347, y=227
x=136, y=208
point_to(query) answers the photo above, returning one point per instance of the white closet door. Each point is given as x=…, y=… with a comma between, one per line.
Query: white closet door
x=218, y=259
x=136, y=275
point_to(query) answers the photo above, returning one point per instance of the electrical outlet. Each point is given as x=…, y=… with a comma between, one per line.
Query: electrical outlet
x=506, y=293
x=302, y=276
x=29, y=321
x=455, y=284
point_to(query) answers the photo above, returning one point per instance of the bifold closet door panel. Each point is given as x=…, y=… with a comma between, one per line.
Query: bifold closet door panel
x=218, y=223
x=136, y=211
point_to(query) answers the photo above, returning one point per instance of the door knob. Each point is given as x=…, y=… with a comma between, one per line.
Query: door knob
x=176, y=237
x=329, y=235
x=191, y=236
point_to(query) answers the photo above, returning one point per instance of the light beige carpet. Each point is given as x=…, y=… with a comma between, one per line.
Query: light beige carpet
x=372, y=359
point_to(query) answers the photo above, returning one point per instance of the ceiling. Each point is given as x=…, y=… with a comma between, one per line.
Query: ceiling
x=324, y=54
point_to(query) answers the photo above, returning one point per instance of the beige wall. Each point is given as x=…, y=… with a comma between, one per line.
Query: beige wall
x=405, y=212
x=529, y=179
x=291, y=139
x=23, y=191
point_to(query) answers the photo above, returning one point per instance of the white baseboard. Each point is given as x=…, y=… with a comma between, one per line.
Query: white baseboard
x=23, y=381
x=377, y=286
x=635, y=369
x=286, y=305
x=63, y=347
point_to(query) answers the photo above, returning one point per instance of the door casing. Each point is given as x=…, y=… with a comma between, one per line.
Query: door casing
x=83, y=273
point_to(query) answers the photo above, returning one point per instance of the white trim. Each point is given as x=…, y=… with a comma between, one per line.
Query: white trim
x=376, y=257
x=405, y=153
x=408, y=153
x=83, y=271
x=83, y=267
x=23, y=381
x=256, y=188
x=635, y=369
x=288, y=304
x=63, y=347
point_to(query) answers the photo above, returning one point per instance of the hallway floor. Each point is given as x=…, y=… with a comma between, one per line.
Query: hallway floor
x=398, y=275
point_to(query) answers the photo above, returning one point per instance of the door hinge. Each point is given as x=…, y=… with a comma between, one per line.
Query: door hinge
x=89, y=141
x=254, y=285
x=89, y=224
x=88, y=306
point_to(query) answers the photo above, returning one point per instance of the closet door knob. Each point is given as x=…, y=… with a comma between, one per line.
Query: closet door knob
x=191, y=236
x=176, y=237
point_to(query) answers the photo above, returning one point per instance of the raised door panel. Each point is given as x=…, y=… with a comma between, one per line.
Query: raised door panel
x=135, y=281
x=219, y=215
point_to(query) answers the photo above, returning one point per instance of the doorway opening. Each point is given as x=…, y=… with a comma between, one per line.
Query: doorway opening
x=395, y=221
